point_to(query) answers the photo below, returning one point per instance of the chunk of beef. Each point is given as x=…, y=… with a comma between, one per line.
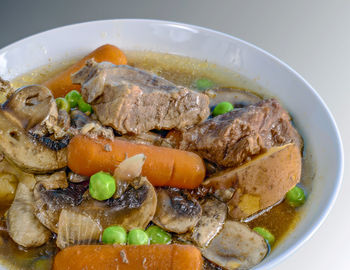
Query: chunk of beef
x=135, y=101
x=233, y=138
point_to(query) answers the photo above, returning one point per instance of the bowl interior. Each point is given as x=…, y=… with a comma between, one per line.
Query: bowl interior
x=310, y=114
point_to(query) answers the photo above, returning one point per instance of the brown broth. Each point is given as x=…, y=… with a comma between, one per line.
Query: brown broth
x=280, y=220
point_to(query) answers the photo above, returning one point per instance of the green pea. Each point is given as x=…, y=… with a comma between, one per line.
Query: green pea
x=157, y=235
x=73, y=97
x=137, y=237
x=84, y=107
x=102, y=186
x=295, y=197
x=222, y=108
x=269, y=237
x=204, y=84
x=114, y=235
x=62, y=104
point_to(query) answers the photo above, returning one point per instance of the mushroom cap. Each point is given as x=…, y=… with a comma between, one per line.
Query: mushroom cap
x=236, y=247
x=49, y=202
x=23, y=227
x=134, y=209
x=30, y=109
x=214, y=214
x=176, y=212
x=22, y=150
x=31, y=106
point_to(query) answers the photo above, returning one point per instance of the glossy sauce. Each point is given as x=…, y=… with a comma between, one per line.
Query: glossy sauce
x=183, y=71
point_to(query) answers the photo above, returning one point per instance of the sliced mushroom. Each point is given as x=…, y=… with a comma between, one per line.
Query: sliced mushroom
x=26, y=153
x=76, y=228
x=134, y=209
x=238, y=97
x=34, y=107
x=213, y=217
x=23, y=227
x=236, y=247
x=49, y=201
x=260, y=182
x=176, y=212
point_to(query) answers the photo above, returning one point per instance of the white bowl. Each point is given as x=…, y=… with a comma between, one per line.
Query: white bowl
x=310, y=114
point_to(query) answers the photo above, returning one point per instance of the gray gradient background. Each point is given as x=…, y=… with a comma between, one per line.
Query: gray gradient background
x=312, y=36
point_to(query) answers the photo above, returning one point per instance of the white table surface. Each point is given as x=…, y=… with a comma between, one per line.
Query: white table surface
x=312, y=36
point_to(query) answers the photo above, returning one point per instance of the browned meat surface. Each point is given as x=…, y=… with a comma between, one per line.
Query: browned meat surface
x=233, y=138
x=135, y=101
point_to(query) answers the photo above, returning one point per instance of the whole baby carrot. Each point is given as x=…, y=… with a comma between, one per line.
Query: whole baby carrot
x=129, y=257
x=163, y=166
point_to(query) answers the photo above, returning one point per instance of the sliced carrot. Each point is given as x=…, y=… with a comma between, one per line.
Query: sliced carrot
x=150, y=257
x=61, y=84
x=163, y=166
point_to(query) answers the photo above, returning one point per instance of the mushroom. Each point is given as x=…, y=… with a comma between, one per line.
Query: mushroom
x=84, y=223
x=261, y=182
x=176, y=212
x=64, y=210
x=34, y=108
x=237, y=97
x=76, y=228
x=236, y=247
x=50, y=198
x=213, y=217
x=23, y=227
x=135, y=208
x=29, y=109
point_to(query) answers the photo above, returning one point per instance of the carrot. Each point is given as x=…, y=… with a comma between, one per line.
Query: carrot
x=150, y=257
x=163, y=166
x=61, y=84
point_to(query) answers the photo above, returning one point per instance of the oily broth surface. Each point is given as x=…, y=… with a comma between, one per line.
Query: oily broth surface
x=182, y=71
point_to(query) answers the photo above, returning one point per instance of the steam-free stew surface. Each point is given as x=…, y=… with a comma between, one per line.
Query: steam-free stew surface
x=182, y=71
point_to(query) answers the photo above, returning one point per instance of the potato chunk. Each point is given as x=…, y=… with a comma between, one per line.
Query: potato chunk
x=260, y=182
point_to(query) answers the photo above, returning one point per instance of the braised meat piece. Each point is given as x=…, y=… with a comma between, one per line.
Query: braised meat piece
x=135, y=101
x=233, y=138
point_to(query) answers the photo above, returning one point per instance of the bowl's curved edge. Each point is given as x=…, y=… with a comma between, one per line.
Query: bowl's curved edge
x=340, y=170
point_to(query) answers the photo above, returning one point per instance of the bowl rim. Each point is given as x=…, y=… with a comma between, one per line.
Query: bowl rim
x=340, y=152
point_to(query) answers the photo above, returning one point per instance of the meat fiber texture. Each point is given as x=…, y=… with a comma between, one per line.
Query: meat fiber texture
x=235, y=137
x=135, y=101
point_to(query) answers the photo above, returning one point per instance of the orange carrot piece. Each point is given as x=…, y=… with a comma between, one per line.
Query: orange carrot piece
x=61, y=84
x=150, y=257
x=163, y=166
